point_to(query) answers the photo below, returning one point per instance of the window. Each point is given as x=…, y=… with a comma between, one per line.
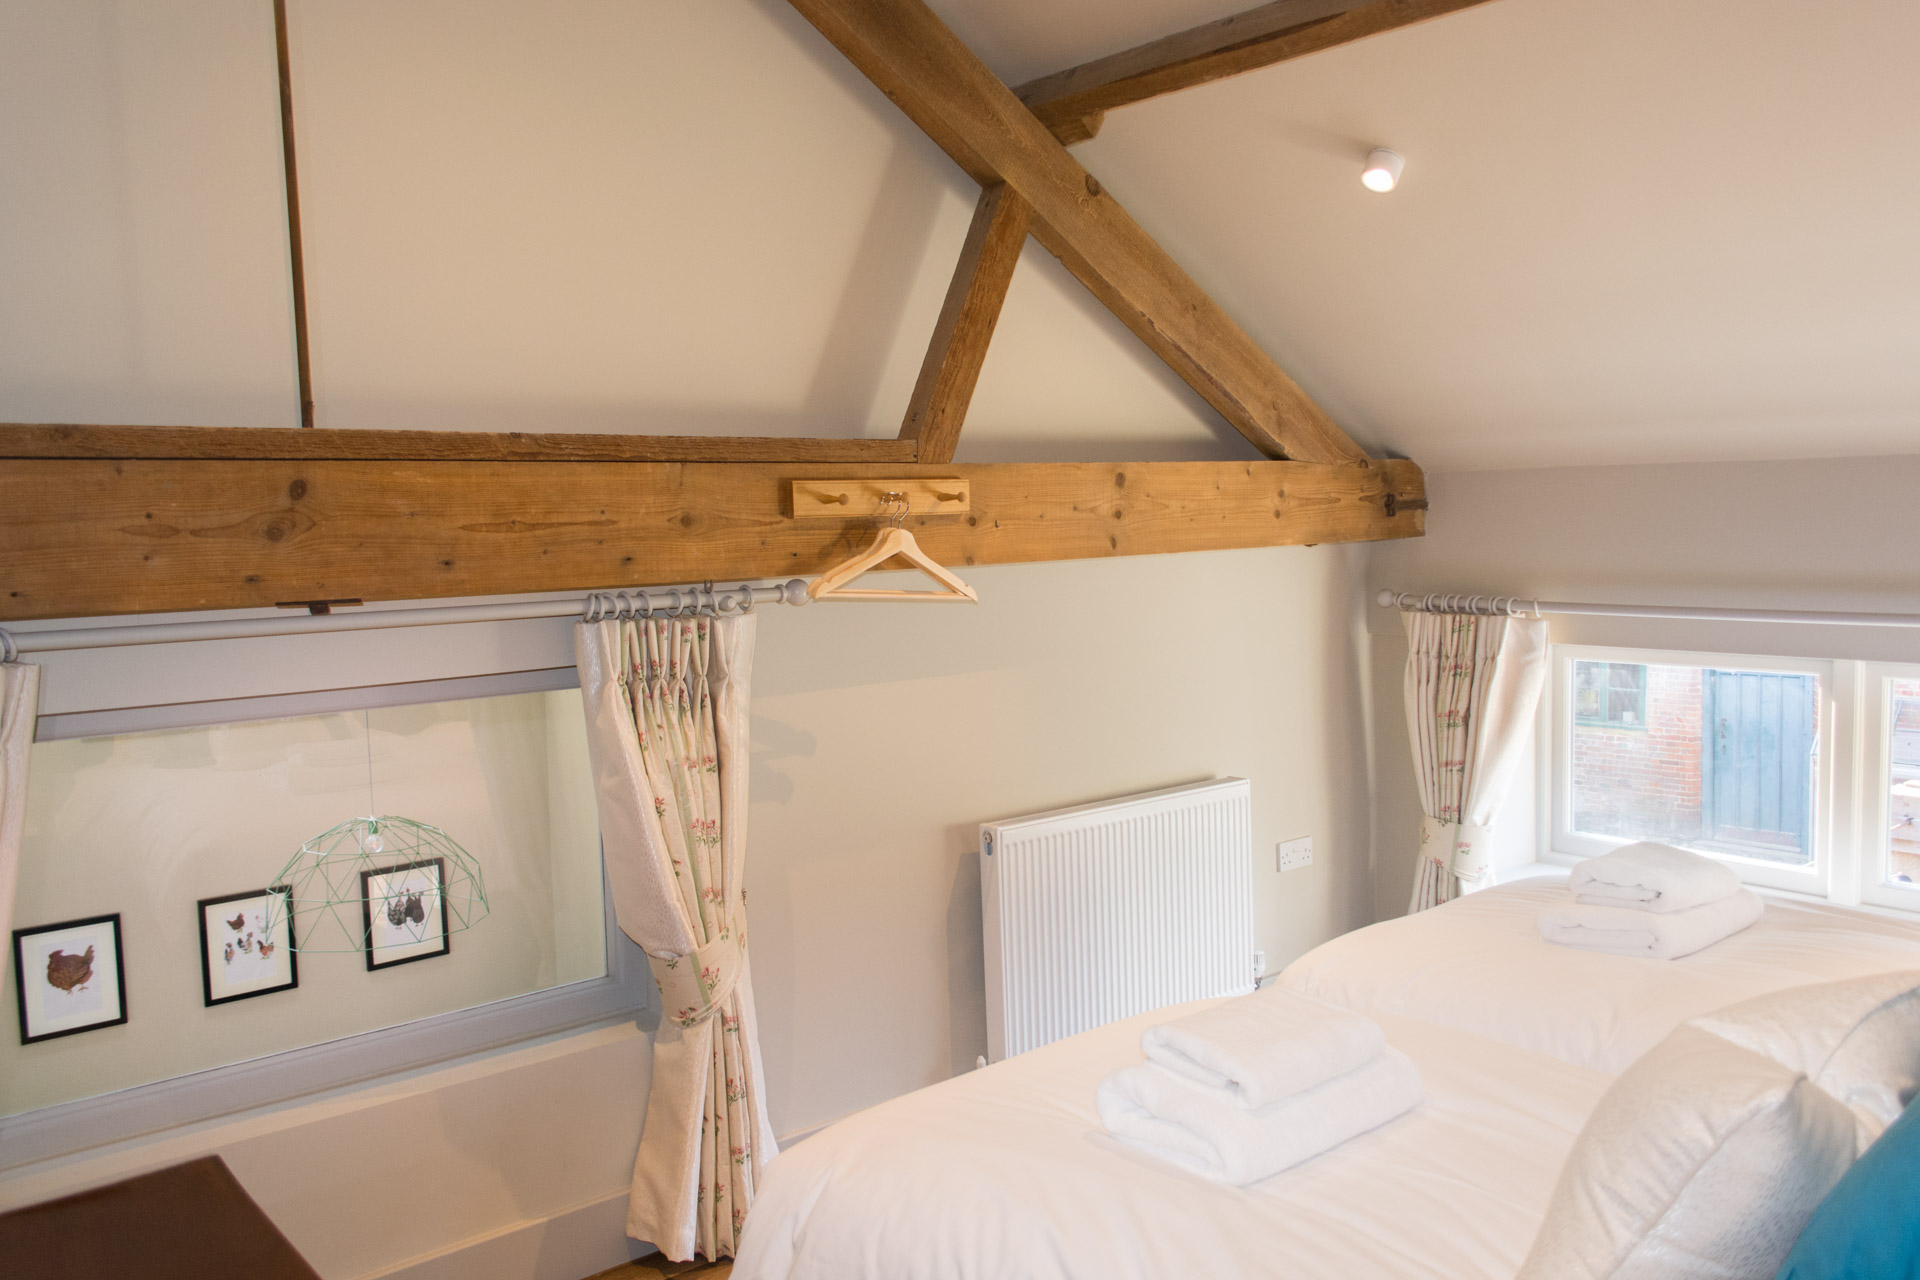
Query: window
x=146, y=823
x=1610, y=693
x=1903, y=783
x=1721, y=754
x=1890, y=867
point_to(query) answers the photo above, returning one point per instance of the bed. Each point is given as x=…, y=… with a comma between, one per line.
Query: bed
x=1478, y=964
x=1007, y=1172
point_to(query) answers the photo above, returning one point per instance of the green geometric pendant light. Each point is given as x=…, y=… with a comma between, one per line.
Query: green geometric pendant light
x=329, y=891
x=329, y=882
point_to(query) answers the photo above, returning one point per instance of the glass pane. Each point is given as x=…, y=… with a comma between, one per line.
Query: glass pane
x=1589, y=686
x=1626, y=693
x=1903, y=840
x=147, y=824
x=1717, y=760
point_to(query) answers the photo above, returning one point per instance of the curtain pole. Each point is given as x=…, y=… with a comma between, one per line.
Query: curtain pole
x=599, y=606
x=1518, y=606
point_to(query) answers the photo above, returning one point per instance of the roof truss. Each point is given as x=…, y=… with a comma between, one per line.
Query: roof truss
x=100, y=520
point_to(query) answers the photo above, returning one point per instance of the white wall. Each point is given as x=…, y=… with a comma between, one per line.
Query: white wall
x=1831, y=534
x=882, y=738
x=655, y=218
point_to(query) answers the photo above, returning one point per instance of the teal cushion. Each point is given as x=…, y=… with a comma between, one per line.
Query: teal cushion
x=1868, y=1227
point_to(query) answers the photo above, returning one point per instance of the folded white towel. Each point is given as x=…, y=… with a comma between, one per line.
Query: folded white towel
x=1262, y=1047
x=1652, y=877
x=1668, y=936
x=1201, y=1130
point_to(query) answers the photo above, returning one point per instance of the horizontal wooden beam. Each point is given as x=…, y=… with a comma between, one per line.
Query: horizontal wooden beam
x=1073, y=102
x=911, y=56
x=81, y=537
x=51, y=440
x=951, y=368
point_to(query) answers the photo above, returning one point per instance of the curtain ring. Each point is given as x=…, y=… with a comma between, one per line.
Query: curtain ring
x=746, y=593
x=8, y=649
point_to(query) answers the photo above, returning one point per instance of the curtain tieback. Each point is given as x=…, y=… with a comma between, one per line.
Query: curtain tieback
x=694, y=986
x=1465, y=850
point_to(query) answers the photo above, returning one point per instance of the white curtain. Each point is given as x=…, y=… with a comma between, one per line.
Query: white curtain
x=666, y=703
x=1472, y=685
x=19, y=706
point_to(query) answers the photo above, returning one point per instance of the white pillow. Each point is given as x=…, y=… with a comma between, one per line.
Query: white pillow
x=1703, y=1160
x=1858, y=1039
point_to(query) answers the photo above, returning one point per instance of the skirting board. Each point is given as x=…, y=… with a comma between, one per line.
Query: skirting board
x=582, y=1241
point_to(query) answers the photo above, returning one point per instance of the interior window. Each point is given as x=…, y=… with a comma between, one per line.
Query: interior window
x=148, y=826
x=1610, y=693
x=1724, y=760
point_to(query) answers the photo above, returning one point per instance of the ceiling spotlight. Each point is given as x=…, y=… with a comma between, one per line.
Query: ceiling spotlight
x=1383, y=170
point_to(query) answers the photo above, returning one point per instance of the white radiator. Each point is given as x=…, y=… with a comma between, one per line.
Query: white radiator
x=1111, y=909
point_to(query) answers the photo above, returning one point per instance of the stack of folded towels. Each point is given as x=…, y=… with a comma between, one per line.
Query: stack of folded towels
x=1650, y=899
x=1257, y=1084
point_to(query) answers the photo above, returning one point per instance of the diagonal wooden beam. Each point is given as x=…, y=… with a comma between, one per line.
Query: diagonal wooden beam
x=915, y=60
x=960, y=338
x=1073, y=102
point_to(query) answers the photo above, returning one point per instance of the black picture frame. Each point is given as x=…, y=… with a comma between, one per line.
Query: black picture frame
x=367, y=877
x=206, y=947
x=22, y=979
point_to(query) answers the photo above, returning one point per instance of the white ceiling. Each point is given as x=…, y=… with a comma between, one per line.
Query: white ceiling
x=1629, y=230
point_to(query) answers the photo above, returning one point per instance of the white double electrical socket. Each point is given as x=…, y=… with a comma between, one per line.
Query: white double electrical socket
x=1295, y=854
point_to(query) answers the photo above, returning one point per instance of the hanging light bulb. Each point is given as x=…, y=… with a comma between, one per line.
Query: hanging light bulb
x=371, y=841
x=1382, y=173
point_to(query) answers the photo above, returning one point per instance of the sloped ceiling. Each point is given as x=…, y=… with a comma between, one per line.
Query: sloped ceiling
x=1630, y=230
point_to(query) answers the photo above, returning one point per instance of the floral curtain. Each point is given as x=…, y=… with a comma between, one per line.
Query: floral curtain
x=1472, y=684
x=666, y=704
x=19, y=706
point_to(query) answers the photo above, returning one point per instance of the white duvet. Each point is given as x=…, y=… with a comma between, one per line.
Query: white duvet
x=1479, y=964
x=1005, y=1174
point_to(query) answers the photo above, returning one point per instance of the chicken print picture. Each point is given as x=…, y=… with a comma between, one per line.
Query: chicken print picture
x=71, y=977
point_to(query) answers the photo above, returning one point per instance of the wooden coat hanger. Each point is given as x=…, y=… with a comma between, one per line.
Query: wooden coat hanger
x=893, y=541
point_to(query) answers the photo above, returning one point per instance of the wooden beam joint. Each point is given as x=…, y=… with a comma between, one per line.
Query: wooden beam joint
x=911, y=56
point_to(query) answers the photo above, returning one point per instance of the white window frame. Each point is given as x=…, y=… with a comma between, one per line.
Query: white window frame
x=1834, y=847
x=624, y=993
x=1876, y=808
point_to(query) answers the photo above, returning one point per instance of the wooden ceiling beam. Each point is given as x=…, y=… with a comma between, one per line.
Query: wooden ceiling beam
x=924, y=68
x=52, y=440
x=89, y=536
x=965, y=328
x=1072, y=103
